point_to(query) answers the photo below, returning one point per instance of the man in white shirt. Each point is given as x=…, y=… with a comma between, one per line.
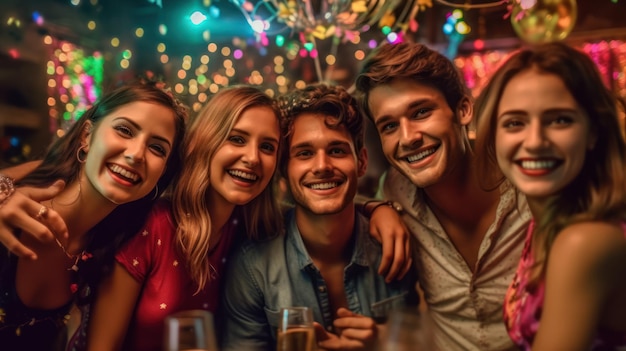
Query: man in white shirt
x=469, y=238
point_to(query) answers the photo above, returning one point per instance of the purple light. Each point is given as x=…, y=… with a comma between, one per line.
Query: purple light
x=238, y=54
x=372, y=44
x=37, y=18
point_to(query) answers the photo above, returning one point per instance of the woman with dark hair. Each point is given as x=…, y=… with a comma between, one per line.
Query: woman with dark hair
x=548, y=124
x=116, y=160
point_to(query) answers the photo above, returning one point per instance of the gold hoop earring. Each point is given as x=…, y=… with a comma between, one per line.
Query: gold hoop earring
x=78, y=154
x=156, y=192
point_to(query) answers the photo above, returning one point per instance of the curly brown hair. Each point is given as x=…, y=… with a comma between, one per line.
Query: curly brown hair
x=334, y=102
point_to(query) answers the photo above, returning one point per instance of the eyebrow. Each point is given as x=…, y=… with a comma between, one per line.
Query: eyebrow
x=308, y=144
x=412, y=105
x=241, y=131
x=137, y=126
x=549, y=111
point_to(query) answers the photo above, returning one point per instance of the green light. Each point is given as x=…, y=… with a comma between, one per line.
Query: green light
x=309, y=46
x=67, y=116
x=201, y=79
x=127, y=54
x=386, y=30
x=280, y=40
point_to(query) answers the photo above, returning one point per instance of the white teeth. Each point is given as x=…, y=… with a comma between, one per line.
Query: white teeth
x=323, y=186
x=421, y=155
x=124, y=173
x=542, y=164
x=244, y=175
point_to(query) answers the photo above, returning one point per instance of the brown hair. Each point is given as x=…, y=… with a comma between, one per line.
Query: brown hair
x=334, y=102
x=599, y=191
x=415, y=62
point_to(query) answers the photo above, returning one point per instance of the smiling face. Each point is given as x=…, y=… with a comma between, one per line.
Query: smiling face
x=421, y=136
x=127, y=151
x=323, y=167
x=244, y=164
x=542, y=134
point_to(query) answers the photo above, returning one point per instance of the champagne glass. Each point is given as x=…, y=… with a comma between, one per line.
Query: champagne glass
x=190, y=330
x=408, y=330
x=295, y=330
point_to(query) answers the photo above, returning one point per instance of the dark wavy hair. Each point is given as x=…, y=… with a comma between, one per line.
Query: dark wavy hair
x=60, y=162
x=339, y=107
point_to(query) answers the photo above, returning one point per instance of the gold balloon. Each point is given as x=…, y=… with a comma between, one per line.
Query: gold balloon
x=540, y=21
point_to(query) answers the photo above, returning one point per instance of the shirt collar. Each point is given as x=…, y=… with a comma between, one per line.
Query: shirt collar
x=303, y=260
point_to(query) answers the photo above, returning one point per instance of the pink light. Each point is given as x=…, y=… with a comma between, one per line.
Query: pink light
x=479, y=44
x=14, y=53
x=303, y=53
x=238, y=54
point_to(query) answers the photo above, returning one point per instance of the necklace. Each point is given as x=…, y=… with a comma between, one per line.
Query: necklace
x=83, y=255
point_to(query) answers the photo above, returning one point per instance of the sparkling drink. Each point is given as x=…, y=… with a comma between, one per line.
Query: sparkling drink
x=296, y=338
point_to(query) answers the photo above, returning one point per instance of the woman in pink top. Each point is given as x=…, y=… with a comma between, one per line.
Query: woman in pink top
x=548, y=124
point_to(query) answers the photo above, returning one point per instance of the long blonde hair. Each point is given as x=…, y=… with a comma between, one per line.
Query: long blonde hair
x=599, y=191
x=206, y=133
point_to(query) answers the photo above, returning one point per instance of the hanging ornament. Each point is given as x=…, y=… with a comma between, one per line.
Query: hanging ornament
x=541, y=21
x=329, y=18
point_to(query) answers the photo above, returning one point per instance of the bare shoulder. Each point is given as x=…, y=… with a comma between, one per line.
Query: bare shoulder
x=596, y=245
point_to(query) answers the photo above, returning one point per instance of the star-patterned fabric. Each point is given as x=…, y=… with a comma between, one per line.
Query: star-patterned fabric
x=152, y=259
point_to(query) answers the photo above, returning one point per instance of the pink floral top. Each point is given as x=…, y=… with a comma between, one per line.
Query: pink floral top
x=522, y=308
x=151, y=258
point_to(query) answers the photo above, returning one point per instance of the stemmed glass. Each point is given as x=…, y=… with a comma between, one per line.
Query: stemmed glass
x=295, y=330
x=190, y=330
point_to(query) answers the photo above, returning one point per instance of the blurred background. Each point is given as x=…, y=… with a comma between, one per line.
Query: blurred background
x=58, y=56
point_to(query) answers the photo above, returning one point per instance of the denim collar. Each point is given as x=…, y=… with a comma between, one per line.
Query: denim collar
x=359, y=251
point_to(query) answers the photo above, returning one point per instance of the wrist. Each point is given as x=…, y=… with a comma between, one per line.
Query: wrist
x=391, y=204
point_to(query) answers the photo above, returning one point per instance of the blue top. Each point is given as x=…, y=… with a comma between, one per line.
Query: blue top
x=266, y=276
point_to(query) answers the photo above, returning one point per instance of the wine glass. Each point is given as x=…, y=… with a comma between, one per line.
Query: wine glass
x=408, y=330
x=190, y=330
x=295, y=330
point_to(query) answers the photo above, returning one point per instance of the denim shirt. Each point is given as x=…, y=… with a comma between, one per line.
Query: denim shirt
x=266, y=276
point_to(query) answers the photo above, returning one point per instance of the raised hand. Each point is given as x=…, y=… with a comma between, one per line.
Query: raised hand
x=23, y=211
